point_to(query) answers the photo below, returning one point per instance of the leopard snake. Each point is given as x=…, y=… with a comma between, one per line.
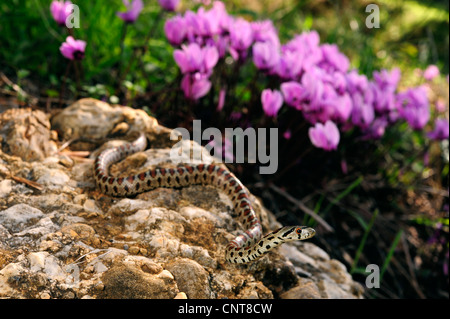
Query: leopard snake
x=246, y=247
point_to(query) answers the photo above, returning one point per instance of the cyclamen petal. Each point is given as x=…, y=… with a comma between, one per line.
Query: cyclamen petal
x=441, y=130
x=289, y=65
x=73, y=49
x=193, y=58
x=333, y=59
x=175, y=30
x=414, y=107
x=356, y=82
x=169, y=5
x=343, y=107
x=293, y=93
x=241, y=34
x=195, y=87
x=221, y=101
x=387, y=80
x=210, y=57
x=134, y=9
x=265, y=55
x=324, y=136
x=362, y=112
x=265, y=31
x=271, y=102
x=61, y=10
x=333, y=133
x=189, y=59
x=376, y=129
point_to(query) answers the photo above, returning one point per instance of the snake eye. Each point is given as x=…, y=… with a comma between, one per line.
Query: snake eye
x=298, y=230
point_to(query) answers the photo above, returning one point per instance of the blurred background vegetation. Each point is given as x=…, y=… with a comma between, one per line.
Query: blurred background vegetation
x=388, y=207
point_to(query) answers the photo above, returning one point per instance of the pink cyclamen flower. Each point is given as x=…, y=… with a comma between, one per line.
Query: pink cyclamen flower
x=376, y=129
x=192, y=58
x=175, y=30
x=414, y=107
x=60, y=11
x=289, y=65
x=384, y=86
x=265, y=55
x=293, y=93
x=195, y=86
x=241, y=35
x=431, y=72
x=169, y=5
x=73, y=49
x=441, y=130
x=324, y=136
x=271, y=102
x=333, y=59
x=133, y=10
x=265, y=31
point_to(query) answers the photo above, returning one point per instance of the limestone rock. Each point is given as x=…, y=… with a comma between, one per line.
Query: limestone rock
x=26, y=133
x=18, y=217
x=68, y=240
x=191, y=278
x=93, y=119
x=131, y=282
x=306, y=289
x=5, y=187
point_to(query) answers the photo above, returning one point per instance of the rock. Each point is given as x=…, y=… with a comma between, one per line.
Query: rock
x=79, y=231
x=26, y=133
x=199, y=254
x=19, y=217
x=53, y=178
x=255, y=290
x=4, y=233
x=67, y=240
x=226, y=284
x=180, y=295
x=43, y=262
x=45, y=295
x=332, y=291
x=94, y=119
x=191, y=278
x=5, y=187
x=9, y=279
x=312, y=250
x=43, y=226
x=306, y=289
x=337, y=283
x=127, y=281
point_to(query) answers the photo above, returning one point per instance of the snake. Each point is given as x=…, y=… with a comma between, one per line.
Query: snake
x=247, y=246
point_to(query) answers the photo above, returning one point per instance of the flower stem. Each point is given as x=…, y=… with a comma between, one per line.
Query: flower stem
x=122, y=45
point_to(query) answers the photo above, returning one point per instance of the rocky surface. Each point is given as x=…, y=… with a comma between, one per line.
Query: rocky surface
x=61, y=238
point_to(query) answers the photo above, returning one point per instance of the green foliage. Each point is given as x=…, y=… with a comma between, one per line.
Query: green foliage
x=367, y=229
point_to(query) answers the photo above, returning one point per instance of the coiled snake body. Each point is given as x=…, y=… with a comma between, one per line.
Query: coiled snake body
x=246, y=247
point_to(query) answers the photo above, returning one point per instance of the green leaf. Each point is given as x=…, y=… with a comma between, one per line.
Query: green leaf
x=387, y=260
x=22, y=73
x=363, y=240
x=52, y=93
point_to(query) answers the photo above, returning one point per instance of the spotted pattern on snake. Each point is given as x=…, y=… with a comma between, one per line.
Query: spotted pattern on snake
x=248, y=246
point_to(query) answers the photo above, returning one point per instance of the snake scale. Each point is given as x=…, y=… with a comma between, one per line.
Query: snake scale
x=247, y=246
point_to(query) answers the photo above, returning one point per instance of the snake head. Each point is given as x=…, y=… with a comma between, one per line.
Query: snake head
x=304, y=232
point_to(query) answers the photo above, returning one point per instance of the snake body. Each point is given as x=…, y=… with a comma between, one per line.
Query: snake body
x=247, y=246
